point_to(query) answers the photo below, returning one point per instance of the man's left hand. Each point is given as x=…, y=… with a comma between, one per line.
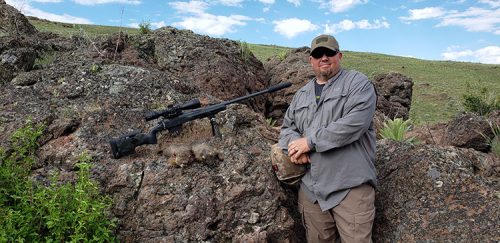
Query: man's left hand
x=298, y=147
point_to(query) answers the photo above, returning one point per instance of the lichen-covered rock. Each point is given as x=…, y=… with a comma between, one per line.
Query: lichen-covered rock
x=394, y=92
x=434, y=194
x=216, y=66
x=469, y=130
x=293, y=67
x=13, y=23
x=194, y=187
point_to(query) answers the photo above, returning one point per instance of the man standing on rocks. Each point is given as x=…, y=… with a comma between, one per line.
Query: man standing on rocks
x=328, y=127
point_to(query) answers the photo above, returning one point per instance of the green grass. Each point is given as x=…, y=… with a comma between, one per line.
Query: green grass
x=68, y=30
x=263, y=52
x=438, y=88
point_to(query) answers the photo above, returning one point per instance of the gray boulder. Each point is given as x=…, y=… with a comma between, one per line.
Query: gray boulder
x=468, y=130
x=434, y=194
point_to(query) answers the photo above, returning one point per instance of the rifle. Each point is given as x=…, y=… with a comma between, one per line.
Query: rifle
x=174, y=118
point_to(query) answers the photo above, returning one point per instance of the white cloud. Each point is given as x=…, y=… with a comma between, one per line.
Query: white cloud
x=97, y=2
x=475, y=20
x=424, y=13
x=25, y=8
x=231, y=2
x=198, y=20
x=212, y=24
x=267, y=1
x=346, y=25
x=196, y=7
x=157, y=25
x=133, y=25
x=489, y=55
x=293, y=27
x=296, y=3
x=338, y=6
x=492, y=3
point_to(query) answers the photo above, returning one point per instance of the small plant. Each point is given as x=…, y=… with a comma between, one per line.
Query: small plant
x=271, y=122
x=494, y=141
x=95, y=68
x=396, y=130
x=245, y=51
x=480, y=100
x=46, y=59
x=145, y=27
x=282, y=55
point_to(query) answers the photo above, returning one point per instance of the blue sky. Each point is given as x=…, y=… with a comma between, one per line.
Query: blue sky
x=459, y=30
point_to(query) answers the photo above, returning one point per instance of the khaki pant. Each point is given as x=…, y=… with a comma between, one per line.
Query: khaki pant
x=351, y=220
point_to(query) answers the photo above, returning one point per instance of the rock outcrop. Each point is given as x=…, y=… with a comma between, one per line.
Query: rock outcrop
x=394, y=94
x=193, y=187
x=435, y=194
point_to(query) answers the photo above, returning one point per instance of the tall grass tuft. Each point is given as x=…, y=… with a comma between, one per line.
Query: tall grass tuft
x=494, y=141
x=396, y=130
x=245, y=51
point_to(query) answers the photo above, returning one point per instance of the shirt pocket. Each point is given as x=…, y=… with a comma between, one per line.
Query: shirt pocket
x=302, y=115
x=333, y=108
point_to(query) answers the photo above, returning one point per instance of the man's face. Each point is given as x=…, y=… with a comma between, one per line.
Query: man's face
x=325, y=63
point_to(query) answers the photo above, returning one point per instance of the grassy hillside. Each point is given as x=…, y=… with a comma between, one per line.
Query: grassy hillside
x=438, y=85
x=68, y=30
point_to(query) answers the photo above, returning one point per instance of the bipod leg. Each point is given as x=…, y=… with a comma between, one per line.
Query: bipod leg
x=215, y=127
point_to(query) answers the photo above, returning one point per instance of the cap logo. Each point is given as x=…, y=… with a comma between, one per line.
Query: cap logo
x=321, y=39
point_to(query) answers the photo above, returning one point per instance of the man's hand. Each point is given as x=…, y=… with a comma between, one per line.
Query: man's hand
x=297, y=148
x=302, y=159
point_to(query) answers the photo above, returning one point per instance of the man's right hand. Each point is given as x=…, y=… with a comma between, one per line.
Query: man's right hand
x=302, y=159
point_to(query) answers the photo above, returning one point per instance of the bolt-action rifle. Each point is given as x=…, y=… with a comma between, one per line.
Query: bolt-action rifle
x=174, y=117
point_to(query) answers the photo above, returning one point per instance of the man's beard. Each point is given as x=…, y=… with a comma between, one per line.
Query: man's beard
x=327, y=74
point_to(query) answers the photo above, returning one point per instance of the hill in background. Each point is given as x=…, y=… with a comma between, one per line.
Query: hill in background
x=439, y=85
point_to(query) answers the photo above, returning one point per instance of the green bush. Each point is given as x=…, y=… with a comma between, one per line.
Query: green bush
x=145, y=27
x=480, y=100
x=396, y=130
x=59, y=212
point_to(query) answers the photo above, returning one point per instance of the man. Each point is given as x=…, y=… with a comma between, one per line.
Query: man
x=328, y=126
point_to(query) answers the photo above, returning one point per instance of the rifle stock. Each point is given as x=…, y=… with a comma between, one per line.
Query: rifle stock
x=127, y=143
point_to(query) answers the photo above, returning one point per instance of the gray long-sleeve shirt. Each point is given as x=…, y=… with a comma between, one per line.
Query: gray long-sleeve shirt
x=340, y=132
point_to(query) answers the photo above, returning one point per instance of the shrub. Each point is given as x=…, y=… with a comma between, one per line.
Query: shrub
x=480, y=100
x=145, y=27
x=396, y=130
x=59, y=212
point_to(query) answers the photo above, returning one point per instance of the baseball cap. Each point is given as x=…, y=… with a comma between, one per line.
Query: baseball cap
x=326, y=41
